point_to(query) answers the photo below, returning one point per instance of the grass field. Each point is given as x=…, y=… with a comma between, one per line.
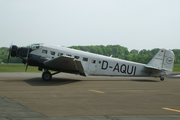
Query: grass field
x=176, y=68
x=15, y=67
x=11, y=67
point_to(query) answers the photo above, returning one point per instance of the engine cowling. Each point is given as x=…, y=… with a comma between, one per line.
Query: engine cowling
x=23, y=52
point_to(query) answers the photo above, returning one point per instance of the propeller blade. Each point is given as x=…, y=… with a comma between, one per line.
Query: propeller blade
x=10, y=49
x=28, y=51
x=27, y=58
x=26, y=67
x=8, y=59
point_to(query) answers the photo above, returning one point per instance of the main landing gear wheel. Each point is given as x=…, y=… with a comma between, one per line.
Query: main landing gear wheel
x=46, y=76
x=162, y=78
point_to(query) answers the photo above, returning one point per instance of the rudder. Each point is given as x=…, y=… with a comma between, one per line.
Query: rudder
x=168, y=61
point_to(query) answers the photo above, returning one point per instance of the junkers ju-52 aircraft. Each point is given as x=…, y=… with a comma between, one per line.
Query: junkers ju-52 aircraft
x=62, y=59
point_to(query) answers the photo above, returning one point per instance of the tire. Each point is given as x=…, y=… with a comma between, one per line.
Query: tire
x=162, y=78
x=46, y=76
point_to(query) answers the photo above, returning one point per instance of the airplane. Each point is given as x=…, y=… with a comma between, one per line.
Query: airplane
x=62, y=59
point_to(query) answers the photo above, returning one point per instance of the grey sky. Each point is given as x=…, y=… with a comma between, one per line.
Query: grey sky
x=135, y=24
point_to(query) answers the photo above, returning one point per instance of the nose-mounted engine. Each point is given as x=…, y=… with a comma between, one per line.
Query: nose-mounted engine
x=22, y=52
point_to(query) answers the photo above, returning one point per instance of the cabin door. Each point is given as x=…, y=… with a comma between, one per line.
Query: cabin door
x=92, y=67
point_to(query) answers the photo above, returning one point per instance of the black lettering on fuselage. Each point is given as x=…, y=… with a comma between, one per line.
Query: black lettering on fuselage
x=126, y=69
x=134, y=70
x=116, y=67
x=123, y=68
x=104, y=65
x=131, y=69
x=110, y=67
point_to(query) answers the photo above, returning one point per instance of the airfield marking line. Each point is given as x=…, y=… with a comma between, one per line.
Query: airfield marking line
x=171, y=109
x=96, y=91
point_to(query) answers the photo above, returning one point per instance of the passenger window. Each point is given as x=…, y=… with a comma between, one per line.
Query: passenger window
x=44, y=51
x=77, y=57
x=85, y=59
x=60, y=54
x=93, y=61
x=68, y=55
x=52, y=53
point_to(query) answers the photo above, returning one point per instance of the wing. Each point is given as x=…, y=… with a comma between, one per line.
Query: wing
x=64, y=63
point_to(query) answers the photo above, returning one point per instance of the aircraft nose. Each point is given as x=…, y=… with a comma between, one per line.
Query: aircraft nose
x=13, y=51
x=24, y=52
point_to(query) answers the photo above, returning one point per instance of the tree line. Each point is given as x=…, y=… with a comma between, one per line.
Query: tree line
x=117, y=51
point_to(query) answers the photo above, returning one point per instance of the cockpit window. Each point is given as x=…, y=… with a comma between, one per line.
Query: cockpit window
x=35, y=46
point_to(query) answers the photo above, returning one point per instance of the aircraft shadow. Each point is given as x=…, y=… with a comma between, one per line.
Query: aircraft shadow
x=144, y=80
x=63, y=81
x=53, y=82
x=37, y=81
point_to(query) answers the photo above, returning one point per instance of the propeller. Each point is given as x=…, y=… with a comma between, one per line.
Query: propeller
x=22, y=53
x=27, y=58
x=10, y=49
x=26, y=66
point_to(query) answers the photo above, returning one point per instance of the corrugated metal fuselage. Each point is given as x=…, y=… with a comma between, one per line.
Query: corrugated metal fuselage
x=98, y=65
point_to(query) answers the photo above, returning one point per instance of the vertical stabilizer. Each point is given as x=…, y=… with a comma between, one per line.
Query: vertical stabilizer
x=157, y=61
x=163, y=60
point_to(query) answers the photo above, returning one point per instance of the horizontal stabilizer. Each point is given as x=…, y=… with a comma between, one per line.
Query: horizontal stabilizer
x=151, y=67
x=156, y=68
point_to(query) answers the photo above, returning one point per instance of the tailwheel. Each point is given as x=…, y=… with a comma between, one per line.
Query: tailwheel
x=162, y=78
x=46, y=76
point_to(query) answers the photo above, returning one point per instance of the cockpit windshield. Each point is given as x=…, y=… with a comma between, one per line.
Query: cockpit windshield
x=35, y=46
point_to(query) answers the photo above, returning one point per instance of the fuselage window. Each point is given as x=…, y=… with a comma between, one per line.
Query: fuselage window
x=68, y=55
x=77, y=57
x=52, y=53
x=44, y=51
x=99, y=62
x=85, y=59
x=93, y=61
x=60, y=54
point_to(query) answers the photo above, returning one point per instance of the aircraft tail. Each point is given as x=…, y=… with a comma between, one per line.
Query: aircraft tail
x=163, y=60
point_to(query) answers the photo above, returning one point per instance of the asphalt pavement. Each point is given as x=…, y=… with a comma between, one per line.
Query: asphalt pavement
x=25, y=96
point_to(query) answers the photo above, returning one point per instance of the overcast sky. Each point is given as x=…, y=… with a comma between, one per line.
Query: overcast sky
x=135, y=24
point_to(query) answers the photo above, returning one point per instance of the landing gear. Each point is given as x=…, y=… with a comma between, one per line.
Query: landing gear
x=46, y=76
x=162, y=78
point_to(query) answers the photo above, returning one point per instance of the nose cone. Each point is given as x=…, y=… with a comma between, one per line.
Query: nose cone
x=13, y=51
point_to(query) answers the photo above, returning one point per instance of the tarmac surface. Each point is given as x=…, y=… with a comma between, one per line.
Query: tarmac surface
x=24, y=96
